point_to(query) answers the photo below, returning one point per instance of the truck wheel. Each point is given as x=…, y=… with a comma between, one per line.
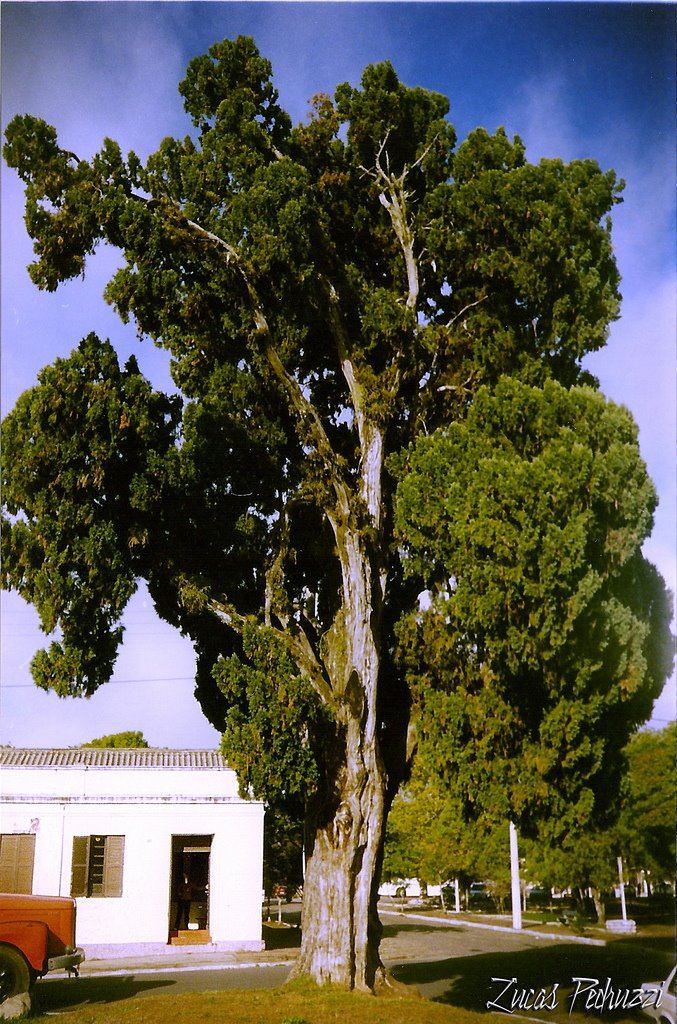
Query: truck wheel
x=15, y=976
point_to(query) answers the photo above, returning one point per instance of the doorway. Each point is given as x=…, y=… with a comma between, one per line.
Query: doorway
x=189, y=890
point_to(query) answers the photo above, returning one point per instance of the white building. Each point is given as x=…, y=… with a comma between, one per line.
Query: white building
x=122, y=830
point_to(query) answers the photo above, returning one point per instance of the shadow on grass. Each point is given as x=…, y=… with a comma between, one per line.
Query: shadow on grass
x=402, y=928
x=470, y=982
x=280, y=936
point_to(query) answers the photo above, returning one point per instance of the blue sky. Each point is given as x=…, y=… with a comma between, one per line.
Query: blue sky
x=573, y=80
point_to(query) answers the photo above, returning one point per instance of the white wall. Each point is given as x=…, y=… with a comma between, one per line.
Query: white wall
x=87, y=781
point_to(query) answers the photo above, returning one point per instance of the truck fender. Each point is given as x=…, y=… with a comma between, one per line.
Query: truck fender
x=30, y=939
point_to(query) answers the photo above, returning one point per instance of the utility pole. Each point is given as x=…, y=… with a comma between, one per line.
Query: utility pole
x=515, y=879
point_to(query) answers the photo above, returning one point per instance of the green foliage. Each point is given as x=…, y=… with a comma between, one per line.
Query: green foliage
x=86, y=464
x=430, y=838
x=646, y=824
x=274, y=719
x=643, y=833
x=283, y=846
x=119, y=739
x=546, y=637
x=427, y=837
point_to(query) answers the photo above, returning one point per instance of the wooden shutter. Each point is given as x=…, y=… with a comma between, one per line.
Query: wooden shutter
x=112, y=865
x=17, y=855
x=80, y=866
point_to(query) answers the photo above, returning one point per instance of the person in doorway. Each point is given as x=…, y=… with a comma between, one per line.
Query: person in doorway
x=183, y=901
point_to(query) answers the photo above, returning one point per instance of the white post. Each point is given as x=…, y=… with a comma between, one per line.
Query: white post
x=457, y=897
x=515, y=878
x=624, y=912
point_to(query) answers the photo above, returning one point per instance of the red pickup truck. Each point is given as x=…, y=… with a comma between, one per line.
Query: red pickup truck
x=37, y=935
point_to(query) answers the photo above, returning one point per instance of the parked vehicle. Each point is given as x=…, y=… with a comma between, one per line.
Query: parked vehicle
x=480, y=897
x=538, y=896
x=664, y=1008
x=409, y=888
x=37, y=935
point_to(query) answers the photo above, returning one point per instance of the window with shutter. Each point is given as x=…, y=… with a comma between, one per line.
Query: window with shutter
x=112, y=865
x=17, y=855
x=80, y=866
x=97, y=866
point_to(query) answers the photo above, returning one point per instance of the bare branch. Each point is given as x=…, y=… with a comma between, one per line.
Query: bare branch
x=228, y=614
x=465, y=310
x=394, y=198
x=231, y=251
x=293, y=636
x=370, y=436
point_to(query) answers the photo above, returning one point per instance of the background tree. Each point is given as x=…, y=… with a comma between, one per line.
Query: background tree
x=119, y=739
x=327, y=293
x=426, y=837
x=282, y=850
x=546, y=636
x=585, y=863
x=647, y=816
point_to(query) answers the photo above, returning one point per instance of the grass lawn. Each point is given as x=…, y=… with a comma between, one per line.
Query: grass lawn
x=304, y=1004
x=288, y=1005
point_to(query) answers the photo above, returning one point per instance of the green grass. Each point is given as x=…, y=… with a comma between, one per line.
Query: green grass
x=292, y=1004
x=297, y=1003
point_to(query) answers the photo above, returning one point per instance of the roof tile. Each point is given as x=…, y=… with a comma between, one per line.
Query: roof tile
x=110, y=757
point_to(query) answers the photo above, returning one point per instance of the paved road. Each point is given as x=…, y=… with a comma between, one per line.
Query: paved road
x=52, y=994
x=451, y=963
x=462, y=966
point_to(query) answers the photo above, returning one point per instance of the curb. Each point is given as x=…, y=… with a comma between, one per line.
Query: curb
x=583, y=939
x=107, y=972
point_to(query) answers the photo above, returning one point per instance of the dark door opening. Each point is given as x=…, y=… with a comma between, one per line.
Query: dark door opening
x=189, y=890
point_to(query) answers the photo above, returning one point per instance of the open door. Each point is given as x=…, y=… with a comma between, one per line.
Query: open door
x=189, y=890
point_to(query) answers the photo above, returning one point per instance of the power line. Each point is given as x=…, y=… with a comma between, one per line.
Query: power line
x=111, y=682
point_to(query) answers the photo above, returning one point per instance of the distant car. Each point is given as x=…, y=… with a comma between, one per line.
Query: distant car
x=538, y=896
x=400, y=887
x=664, y=1008
x=479, y=896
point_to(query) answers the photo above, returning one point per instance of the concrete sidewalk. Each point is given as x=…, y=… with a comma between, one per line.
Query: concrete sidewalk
x=185, y=959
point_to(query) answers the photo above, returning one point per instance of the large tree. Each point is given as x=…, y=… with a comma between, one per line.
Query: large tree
x=327, y=293
x=544, y=637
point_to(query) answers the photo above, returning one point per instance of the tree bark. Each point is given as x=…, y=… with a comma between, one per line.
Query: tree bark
x=600, y=909
x=341, y=929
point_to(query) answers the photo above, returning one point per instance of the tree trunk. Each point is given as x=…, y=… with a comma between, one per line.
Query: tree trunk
x=341, y=929
x=600, y=909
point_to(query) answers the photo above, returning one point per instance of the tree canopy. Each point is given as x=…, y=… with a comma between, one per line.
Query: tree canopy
x=327, y=292
x=646, y=833
x=129, y=739
x=545, y=636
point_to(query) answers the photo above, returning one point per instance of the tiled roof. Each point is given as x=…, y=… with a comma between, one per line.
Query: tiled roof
x=109, y=757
